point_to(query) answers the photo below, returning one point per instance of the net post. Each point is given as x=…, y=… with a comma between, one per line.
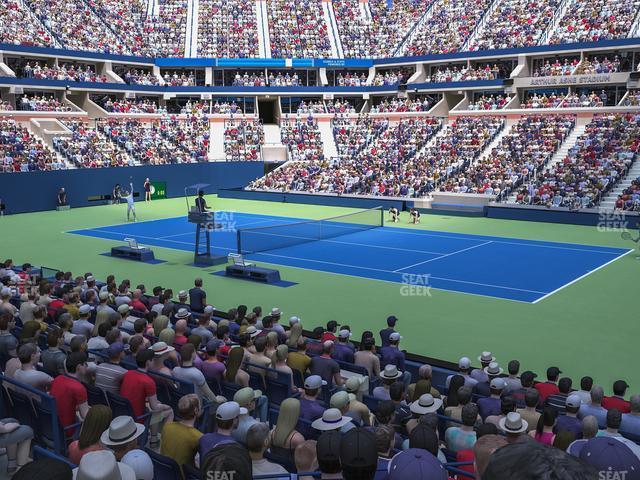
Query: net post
x=238, y=242
x=381, y=215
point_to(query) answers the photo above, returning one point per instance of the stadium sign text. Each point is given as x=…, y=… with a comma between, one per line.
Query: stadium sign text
x=570, y=80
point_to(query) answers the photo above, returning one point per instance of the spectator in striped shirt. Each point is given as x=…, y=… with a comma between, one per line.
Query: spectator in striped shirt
x=109, y=374
x=558, y=401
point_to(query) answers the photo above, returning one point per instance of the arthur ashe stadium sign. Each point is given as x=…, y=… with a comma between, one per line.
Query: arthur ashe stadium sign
x=572, y=80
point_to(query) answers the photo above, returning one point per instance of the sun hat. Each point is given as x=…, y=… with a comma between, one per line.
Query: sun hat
x=513, y=423
x=160, y=348
x=390, y=372
x=183, y=313
x=493, y=369
x=486, y=357
x=122, y=430
x=102, y=465
x=425, y=404
x=331, y=419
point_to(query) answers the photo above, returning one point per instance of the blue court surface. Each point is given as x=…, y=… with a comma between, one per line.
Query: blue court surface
x=505, y=268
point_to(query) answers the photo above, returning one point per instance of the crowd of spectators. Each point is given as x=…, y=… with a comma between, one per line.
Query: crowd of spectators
x=89, y=147
x=340, y=106
x=302, y=138
x=584, y=100
x=525, y=149
x=594, y=65
x=373, y=162
x=225, y=108
x=448, y=28
x=74, y=337
x=310, y=107
x=552, y=100
x=515, y=24
x=599, y=159
x=629, y=199
x=65, y=72
x=19, y=27
x=349, y=79
x=297, y=29
x=166, y=32
x=632, y=99
x=556, y=67
x=490, y=102
x=126, y=105
x=169, y=140
x=461, y=74
x=415, y=104
x=77, y=26
x=228, y=29
x=391, y=25
x=179, y=79
x=134, y=76
x=42, y=103
x=195, y=108
x=593, y=21
x=354, y=27
x=5, y=106
x=393, y=77
x=242, y=139
x=249, y=80
x=21, y=151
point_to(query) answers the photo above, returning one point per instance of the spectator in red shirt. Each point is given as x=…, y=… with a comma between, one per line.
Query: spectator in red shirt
x=617, y=401
x=70, y=393
x=330, y=334
x=550, y=387
x=136, y=303
x=140, y=389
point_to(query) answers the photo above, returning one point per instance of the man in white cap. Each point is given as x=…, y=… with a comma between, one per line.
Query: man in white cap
x=491, y=405
x=352, y=386
x=464, y=366
x=5, y=302
x=103, y=309
x=182, y=302
x=310, y=409
x=493, y=370
x=389, y=375
x=127, y=320
x=332, y=419
x=102, y=465
x=569, y=421
x=392, y=354
x=122, y=438
x=514, y=427
x=343, y=351
x=83, y=326
x=226, y=421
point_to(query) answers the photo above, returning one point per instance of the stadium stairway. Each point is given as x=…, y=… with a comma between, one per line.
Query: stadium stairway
x=191, y=41
x=559, y=15
x=332, y=25
x=562, y=152
x=262, y=21
x=609, y=200
x=329, y=142
x=506, y=129
x=402, y=48
x=216, y=144
x=487, y=14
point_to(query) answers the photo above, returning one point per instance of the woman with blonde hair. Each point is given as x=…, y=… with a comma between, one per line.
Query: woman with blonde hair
x=234, y=372
x=97, y=421
x=284, y=437
x=279, y=363
x=159, y=324
x=294, y=334
x=272, y=344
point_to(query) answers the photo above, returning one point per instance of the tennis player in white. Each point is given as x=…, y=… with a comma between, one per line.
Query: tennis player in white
x=131, y=206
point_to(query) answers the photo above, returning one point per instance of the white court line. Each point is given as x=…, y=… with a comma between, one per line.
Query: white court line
x=582, y=276
x=311, y=239
x=444, y=256
x=341, y=265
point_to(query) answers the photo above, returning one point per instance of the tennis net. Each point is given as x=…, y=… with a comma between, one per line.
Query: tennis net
x=262, y=239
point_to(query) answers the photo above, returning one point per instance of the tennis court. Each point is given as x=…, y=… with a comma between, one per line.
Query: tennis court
x=506, y=268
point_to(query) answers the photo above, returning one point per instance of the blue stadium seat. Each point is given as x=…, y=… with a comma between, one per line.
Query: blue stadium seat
x=120, y=406
x=95, y=396
x=39, y=452
x=164, y=468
